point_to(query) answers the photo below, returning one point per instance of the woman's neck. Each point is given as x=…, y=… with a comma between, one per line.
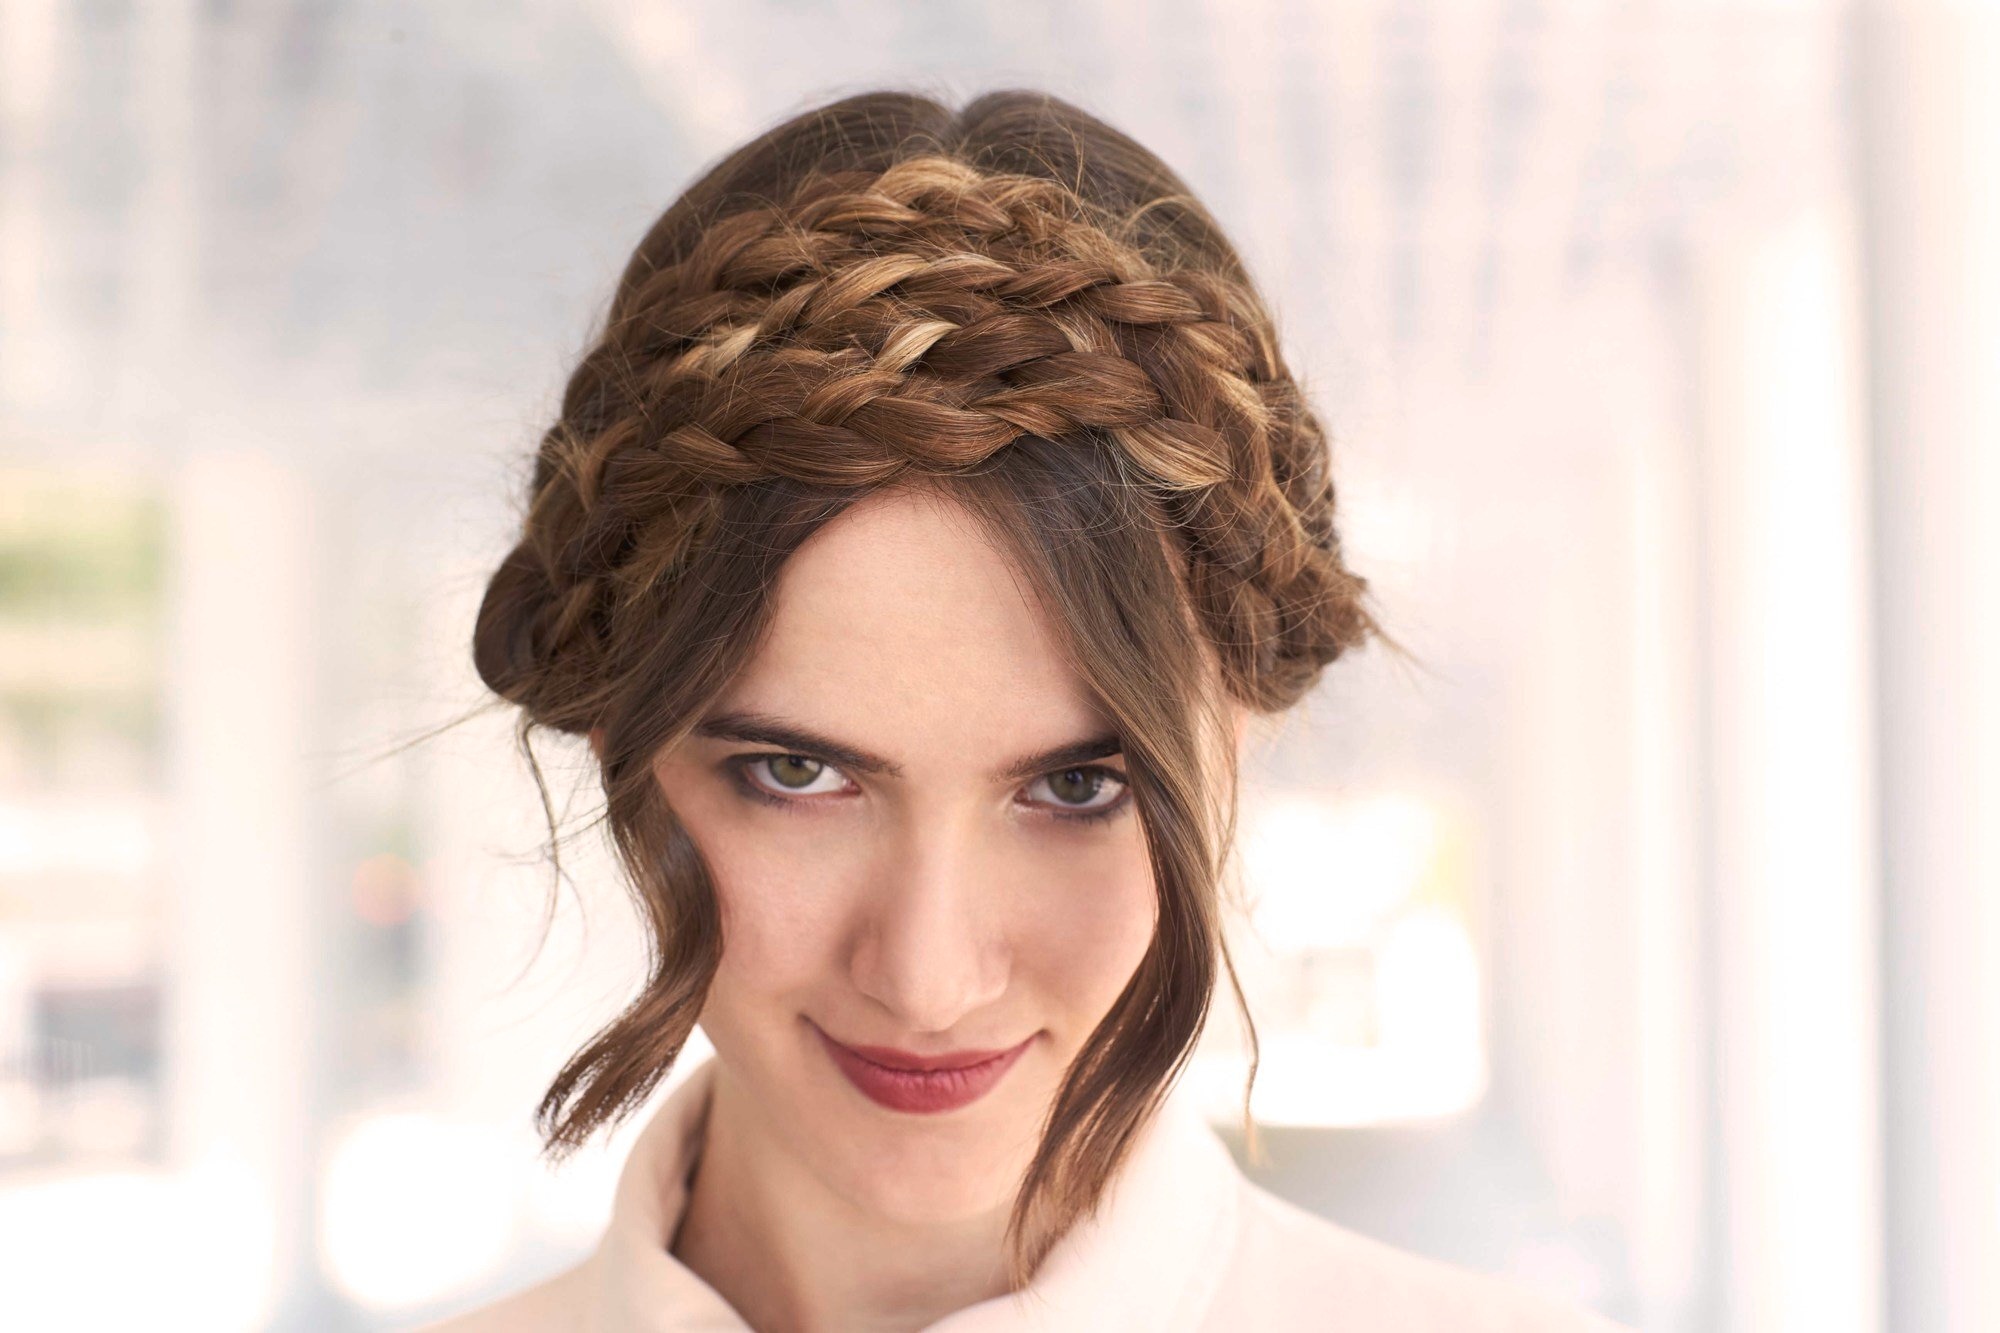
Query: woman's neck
x=792, y=1256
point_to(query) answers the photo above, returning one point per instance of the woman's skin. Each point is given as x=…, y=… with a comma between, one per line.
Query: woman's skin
x=941, y=907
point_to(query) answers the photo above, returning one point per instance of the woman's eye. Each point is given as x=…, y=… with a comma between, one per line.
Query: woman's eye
x=792, y=774
x=1083, y=791
x=1091, y=792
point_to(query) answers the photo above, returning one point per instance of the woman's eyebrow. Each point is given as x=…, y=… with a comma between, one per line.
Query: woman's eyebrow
x=765, y=729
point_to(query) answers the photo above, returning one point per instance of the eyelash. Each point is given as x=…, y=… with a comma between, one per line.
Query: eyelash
x=739, y=765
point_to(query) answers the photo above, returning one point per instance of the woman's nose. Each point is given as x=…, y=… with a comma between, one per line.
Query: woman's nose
x=931, y=948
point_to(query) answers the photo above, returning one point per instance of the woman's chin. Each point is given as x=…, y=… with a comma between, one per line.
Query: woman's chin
x=911, y=1173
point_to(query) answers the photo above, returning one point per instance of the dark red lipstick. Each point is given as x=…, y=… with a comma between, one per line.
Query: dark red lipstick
x=921, y=1084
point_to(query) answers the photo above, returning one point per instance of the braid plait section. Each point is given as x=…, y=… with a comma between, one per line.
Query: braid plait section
x=920, y=318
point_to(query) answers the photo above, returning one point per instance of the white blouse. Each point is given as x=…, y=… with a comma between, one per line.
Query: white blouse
x=1184, y=1242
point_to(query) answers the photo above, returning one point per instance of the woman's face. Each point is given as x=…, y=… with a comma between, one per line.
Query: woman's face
x=934, y=889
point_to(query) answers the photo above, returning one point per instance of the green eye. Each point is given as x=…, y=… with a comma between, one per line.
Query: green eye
x=787, y=773
x=1075, y=786
x=1086, y=793
x=793, y=770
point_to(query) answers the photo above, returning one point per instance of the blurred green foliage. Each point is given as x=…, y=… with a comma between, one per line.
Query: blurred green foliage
x=79, y=551
x=79, y=546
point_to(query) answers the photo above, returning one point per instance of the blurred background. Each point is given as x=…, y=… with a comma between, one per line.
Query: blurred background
x=1643, y=945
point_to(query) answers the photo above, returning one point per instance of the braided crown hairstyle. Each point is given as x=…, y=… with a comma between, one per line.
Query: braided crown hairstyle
x=1013, y=302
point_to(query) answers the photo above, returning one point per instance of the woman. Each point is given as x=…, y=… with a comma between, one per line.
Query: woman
x=915, y=542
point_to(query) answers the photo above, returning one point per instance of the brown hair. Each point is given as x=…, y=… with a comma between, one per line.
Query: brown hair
x=1014, y=303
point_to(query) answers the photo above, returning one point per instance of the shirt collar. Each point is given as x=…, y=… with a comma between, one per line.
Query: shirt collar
x=1150, y=1258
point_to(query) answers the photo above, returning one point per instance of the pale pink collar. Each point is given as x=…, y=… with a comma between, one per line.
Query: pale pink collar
x=1150, y=1259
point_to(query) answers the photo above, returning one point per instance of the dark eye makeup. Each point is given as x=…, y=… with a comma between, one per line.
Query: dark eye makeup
x=738, y=767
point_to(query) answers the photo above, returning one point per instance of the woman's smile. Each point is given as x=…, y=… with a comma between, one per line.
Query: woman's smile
x=921, y=1085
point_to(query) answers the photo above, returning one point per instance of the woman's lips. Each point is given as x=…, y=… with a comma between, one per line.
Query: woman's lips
x=949, y=1081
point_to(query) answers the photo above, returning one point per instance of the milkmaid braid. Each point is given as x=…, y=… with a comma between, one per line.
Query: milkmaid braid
x=921, y=317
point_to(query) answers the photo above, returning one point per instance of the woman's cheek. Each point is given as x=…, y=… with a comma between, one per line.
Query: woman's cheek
x=783, y=900
x=756, y=855
x=1093, y=912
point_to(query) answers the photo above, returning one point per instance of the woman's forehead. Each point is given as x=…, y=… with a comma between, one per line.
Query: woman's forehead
x=901, y=614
